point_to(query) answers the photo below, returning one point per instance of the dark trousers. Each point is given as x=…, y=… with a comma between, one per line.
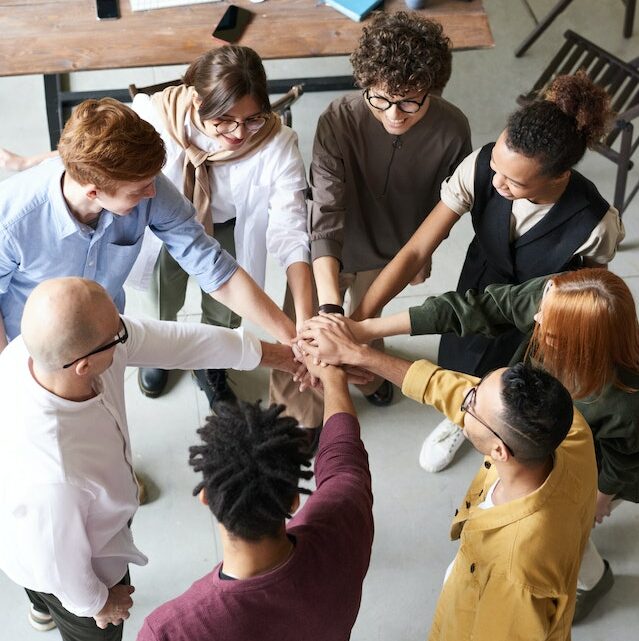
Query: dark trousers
x=71, y=626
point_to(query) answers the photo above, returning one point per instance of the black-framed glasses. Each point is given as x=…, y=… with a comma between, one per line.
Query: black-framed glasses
x=251, y=124
x=382, y=104
x=467, y=403
x=121, y=337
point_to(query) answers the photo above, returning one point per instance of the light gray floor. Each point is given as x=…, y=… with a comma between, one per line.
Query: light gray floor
x=412, y=509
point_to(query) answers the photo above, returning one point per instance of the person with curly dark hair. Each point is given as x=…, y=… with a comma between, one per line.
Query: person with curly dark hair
x=278, y=581
x=533, y=215
x=379, y=158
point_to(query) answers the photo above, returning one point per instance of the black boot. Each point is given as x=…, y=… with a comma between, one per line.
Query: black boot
x=382, y=396
x=214, y=384
x=152, y=381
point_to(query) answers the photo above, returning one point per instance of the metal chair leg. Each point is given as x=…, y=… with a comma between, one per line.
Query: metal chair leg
x=559, y=8
x=622, y=167
x=629, y=19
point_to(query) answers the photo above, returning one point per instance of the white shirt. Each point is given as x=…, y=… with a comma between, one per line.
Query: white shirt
x=458, y=193
x=265, y=192
x=67, y=490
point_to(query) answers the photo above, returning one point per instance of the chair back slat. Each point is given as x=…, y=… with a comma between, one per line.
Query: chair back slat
x=620, y=80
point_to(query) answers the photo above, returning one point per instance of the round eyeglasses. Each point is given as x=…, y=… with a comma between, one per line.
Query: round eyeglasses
x=383, y=104
x=251, y=124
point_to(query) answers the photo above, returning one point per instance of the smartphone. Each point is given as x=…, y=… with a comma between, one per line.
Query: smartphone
x=233, y=23
x=107, y=9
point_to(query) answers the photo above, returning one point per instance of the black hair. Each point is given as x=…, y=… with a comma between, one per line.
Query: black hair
x=557, y=130
x=537, y=410
x=251, y=460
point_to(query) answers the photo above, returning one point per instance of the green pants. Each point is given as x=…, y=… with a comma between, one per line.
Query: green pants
x=71, y=626
x=168, y=286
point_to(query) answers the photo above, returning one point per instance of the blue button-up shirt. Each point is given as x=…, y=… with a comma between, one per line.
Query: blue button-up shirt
x=41, y=239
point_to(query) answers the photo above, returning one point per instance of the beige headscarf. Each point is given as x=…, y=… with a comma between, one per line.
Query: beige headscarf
x=174, y=104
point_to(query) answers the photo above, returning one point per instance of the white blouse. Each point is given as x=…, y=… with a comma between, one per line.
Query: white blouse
x=264, y=192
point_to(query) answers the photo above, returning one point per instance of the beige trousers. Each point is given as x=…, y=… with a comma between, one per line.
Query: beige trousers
x=308, y=406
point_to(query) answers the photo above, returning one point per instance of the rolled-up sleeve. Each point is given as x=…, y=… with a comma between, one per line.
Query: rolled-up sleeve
x=327, y=207
x=429, y=384
x=172, y=219
x=458, y=191
x=287, y=238
x=601, y=245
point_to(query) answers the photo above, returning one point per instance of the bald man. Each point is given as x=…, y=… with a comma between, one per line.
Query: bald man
x=68, y=489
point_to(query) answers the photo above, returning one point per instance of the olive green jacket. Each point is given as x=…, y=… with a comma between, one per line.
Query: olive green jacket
x=613, y=416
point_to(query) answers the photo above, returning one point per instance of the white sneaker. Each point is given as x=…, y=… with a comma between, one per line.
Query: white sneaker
x=41, y=621
x=439, y=448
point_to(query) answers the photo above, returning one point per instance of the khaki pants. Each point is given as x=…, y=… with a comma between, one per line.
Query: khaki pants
x=308, y=407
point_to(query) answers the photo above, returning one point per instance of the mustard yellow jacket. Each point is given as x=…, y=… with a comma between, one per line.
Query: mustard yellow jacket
x=515, y=575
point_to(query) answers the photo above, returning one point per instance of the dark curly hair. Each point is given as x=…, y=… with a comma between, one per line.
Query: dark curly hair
x=557, y=130
x=251, y=461
x=537, y=412
x=401, y=53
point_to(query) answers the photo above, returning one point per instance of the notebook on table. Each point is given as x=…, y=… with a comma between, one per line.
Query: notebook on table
x=146, y=5
x=354, y=9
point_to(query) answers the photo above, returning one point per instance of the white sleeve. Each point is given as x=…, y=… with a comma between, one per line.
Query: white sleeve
x=61, y=551
x=287, y=238
x=458, y=190
x=601, y=245
x=172, y=345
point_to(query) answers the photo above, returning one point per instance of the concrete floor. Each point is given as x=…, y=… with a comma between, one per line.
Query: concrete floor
x=408, y=561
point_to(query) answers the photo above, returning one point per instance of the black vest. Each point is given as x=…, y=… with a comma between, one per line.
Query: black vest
x=547, y=248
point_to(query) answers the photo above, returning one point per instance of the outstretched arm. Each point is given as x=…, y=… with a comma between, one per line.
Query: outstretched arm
x=409, y=261
x=242, y=294
x=15, y=162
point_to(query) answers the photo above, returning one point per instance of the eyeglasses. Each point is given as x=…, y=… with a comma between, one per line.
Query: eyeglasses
x=382, y=104
x=467, y=403
x=121, y=337
x=250, y=124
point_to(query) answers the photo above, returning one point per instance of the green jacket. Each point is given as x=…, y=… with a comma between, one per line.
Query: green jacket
x=612, y=416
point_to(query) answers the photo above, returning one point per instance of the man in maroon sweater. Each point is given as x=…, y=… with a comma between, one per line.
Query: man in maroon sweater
x=278, y=581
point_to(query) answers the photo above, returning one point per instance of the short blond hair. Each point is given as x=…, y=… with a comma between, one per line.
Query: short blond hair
x=105, y=142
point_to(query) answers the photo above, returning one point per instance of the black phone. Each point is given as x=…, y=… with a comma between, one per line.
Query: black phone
x=107, y=9
x=233, y=23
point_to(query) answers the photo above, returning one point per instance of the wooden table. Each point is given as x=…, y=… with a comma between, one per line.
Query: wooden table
x=55, y=37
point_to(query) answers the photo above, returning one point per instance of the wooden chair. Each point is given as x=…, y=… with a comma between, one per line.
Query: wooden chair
x=621, y=81
x=560, y=7
x=281, y=106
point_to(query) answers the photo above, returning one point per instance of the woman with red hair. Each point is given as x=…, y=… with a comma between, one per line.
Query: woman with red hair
x=582, y=327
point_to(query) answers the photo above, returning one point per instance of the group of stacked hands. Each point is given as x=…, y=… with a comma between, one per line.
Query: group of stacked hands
x=204, y=180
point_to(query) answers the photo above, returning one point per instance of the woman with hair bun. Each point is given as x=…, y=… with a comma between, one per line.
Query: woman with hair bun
x=532, y=214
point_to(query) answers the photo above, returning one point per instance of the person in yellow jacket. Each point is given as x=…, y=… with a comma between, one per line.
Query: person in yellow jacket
x=527, y=515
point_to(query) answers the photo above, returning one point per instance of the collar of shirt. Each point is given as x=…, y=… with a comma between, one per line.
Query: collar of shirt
x=66, y=224
x=471, y=517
